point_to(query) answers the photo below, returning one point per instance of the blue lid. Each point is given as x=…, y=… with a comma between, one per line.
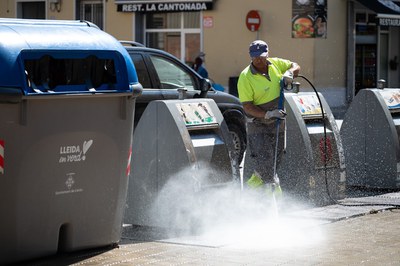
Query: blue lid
x=53, y=56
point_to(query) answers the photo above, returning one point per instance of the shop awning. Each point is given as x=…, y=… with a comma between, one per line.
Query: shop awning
x=163, y=5
x=382, y=6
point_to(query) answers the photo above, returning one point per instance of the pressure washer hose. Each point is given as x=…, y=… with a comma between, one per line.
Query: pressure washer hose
x=395, y=206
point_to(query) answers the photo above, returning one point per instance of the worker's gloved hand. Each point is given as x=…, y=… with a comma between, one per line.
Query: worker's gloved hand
x=288, y=77
x=275, y=114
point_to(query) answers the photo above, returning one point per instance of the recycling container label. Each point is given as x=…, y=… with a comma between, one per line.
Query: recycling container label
x=196, y=113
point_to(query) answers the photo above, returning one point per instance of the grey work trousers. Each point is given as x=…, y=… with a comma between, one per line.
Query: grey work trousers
x=260, y=152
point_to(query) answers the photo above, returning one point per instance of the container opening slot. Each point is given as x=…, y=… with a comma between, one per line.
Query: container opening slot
x=317, y=125
x=316, y=120
x=205, y=137
x=202, y=132
x=395, y=116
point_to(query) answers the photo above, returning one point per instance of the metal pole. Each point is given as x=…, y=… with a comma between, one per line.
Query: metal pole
x=351, y=46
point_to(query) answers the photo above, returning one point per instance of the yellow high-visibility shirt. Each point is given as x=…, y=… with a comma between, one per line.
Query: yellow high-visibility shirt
x=256, y=88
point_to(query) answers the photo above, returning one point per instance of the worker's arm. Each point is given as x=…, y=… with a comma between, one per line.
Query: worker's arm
x=253, y=110
x=291, y=73
x=295, y=69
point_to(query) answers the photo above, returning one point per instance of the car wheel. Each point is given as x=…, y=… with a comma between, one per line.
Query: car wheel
x=239, y=142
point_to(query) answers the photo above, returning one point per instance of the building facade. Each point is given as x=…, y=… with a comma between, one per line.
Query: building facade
x=341, y=45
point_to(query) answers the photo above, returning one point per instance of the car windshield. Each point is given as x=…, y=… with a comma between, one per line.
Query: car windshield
x=171, y=75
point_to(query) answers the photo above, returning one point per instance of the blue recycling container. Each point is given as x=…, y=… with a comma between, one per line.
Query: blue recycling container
x=67, y=96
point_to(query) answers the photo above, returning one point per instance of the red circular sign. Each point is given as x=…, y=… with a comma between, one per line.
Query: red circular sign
x=253, y=20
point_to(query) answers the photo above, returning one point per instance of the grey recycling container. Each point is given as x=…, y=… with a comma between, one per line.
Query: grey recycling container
x=313, y=165
x=183, y=149
x=371, y=138
x=67, y=95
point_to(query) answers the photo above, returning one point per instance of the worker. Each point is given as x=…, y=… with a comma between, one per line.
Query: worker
x=259, y=91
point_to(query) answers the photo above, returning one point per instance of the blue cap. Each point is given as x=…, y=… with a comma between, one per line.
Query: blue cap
x=258, y=48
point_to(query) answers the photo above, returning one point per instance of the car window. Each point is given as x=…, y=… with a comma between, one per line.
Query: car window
x=171, y=75
x=141, y=70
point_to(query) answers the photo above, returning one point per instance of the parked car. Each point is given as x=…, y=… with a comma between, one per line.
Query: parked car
x=162, y=75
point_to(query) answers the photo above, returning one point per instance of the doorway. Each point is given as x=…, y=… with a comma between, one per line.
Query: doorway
x=31, y=9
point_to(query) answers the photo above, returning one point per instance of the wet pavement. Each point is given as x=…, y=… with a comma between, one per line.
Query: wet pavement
x=329, y=235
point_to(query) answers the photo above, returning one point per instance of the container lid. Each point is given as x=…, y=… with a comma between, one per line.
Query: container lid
x=56, y=56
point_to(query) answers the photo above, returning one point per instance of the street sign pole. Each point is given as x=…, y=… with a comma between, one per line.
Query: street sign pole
x=253, y=22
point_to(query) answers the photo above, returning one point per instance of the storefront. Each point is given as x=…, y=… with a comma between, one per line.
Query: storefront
x=220, y=29
x=376, y=42
x=172, y=26
x=342, y=46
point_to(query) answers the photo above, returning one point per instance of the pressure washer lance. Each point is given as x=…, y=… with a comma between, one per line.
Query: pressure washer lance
x=276, y=187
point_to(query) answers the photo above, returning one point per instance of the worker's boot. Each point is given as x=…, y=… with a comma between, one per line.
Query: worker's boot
x=255, y=181
x=274, y=187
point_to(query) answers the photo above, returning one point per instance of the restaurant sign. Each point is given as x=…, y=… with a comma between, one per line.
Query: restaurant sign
x=388, y=20
x=165, y=6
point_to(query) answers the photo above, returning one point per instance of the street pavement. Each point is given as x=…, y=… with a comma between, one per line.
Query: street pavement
x=328, y=235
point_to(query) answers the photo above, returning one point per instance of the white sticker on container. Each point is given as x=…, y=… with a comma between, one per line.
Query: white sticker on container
x=74, y=153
